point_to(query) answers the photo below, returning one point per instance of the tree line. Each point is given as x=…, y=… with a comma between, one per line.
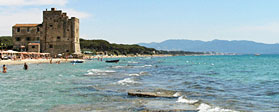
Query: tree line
x=112, y=48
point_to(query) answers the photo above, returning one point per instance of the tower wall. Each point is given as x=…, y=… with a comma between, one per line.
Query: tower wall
x=75, y=35
x=57, y=34
x=22, y=34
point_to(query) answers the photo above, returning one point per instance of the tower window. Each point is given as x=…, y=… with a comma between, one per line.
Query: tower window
x=50, y=25
x=38, y=38
x=28, y=29
x=18, y=29
x=38, y=29
x=17, y=38
x=50, y=46
x=33, y=46
x=67, y=50
x=27, y=38
x=58, y=37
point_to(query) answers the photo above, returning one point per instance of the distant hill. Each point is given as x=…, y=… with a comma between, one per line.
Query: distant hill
x=224, y=46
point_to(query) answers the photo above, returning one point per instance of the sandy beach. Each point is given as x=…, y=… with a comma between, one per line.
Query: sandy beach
x=29, y=61
x=37, y=61
x=125, y=56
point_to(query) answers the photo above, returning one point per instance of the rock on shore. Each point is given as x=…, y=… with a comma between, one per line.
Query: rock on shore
x=156, y=93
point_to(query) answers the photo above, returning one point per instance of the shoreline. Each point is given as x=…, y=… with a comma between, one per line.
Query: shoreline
x=125, y=56
x=34, y=61
x=157, y=55
x=54, y=60
x=41, y=61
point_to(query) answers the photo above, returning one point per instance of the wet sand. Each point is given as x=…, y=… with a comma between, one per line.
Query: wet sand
x=125, y=56
x=28, y=61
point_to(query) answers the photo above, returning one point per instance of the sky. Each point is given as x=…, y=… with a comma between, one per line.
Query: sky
x=136, y=21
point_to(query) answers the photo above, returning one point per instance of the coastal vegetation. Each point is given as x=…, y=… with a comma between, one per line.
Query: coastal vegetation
x=6, y=42
x=98, y=46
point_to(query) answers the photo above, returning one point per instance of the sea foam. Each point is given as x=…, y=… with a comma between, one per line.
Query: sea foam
x=134, y=74
x=177, y=94
x=118, y=66
x=183, y=99
x=147, y=65
x=207, y=108
x=142, y=66
x=127, y=81
x=132, y=62
x=99, y=72
x=138, y=74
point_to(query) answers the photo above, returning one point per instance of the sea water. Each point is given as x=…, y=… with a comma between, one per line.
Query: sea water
x=221, y=83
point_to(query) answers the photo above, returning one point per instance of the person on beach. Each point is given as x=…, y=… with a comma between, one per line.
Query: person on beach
x=4, y=69
x=50, y=61
x=25, y=66
x=66, y=58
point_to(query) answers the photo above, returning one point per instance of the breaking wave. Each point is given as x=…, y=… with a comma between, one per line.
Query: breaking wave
x=147, y=65
x=138, y=74
x=130, y=66
x=207, y=108
x=203, y=107
x=119, y=67
x=99, y=72
x=127, y=81
x=134, y=74
x=143, y=66
x=177, y=94
x=183, y=99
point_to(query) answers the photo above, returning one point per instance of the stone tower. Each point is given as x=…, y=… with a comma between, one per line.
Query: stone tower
x=57, y=34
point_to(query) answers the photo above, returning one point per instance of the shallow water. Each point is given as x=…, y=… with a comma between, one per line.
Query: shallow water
x=242, y=83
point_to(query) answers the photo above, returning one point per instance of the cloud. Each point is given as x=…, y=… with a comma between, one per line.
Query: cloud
x=32, y=2
x=16, y=5
x=11, y=16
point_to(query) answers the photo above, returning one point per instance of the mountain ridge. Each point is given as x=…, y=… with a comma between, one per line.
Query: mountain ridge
x=216, y=45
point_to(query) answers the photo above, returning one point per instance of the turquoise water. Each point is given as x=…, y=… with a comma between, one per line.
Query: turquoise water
x=243, y=83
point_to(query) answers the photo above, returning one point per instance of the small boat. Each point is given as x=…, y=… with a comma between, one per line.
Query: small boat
x=77, y=61
x=257, y=54
x=112, y=61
